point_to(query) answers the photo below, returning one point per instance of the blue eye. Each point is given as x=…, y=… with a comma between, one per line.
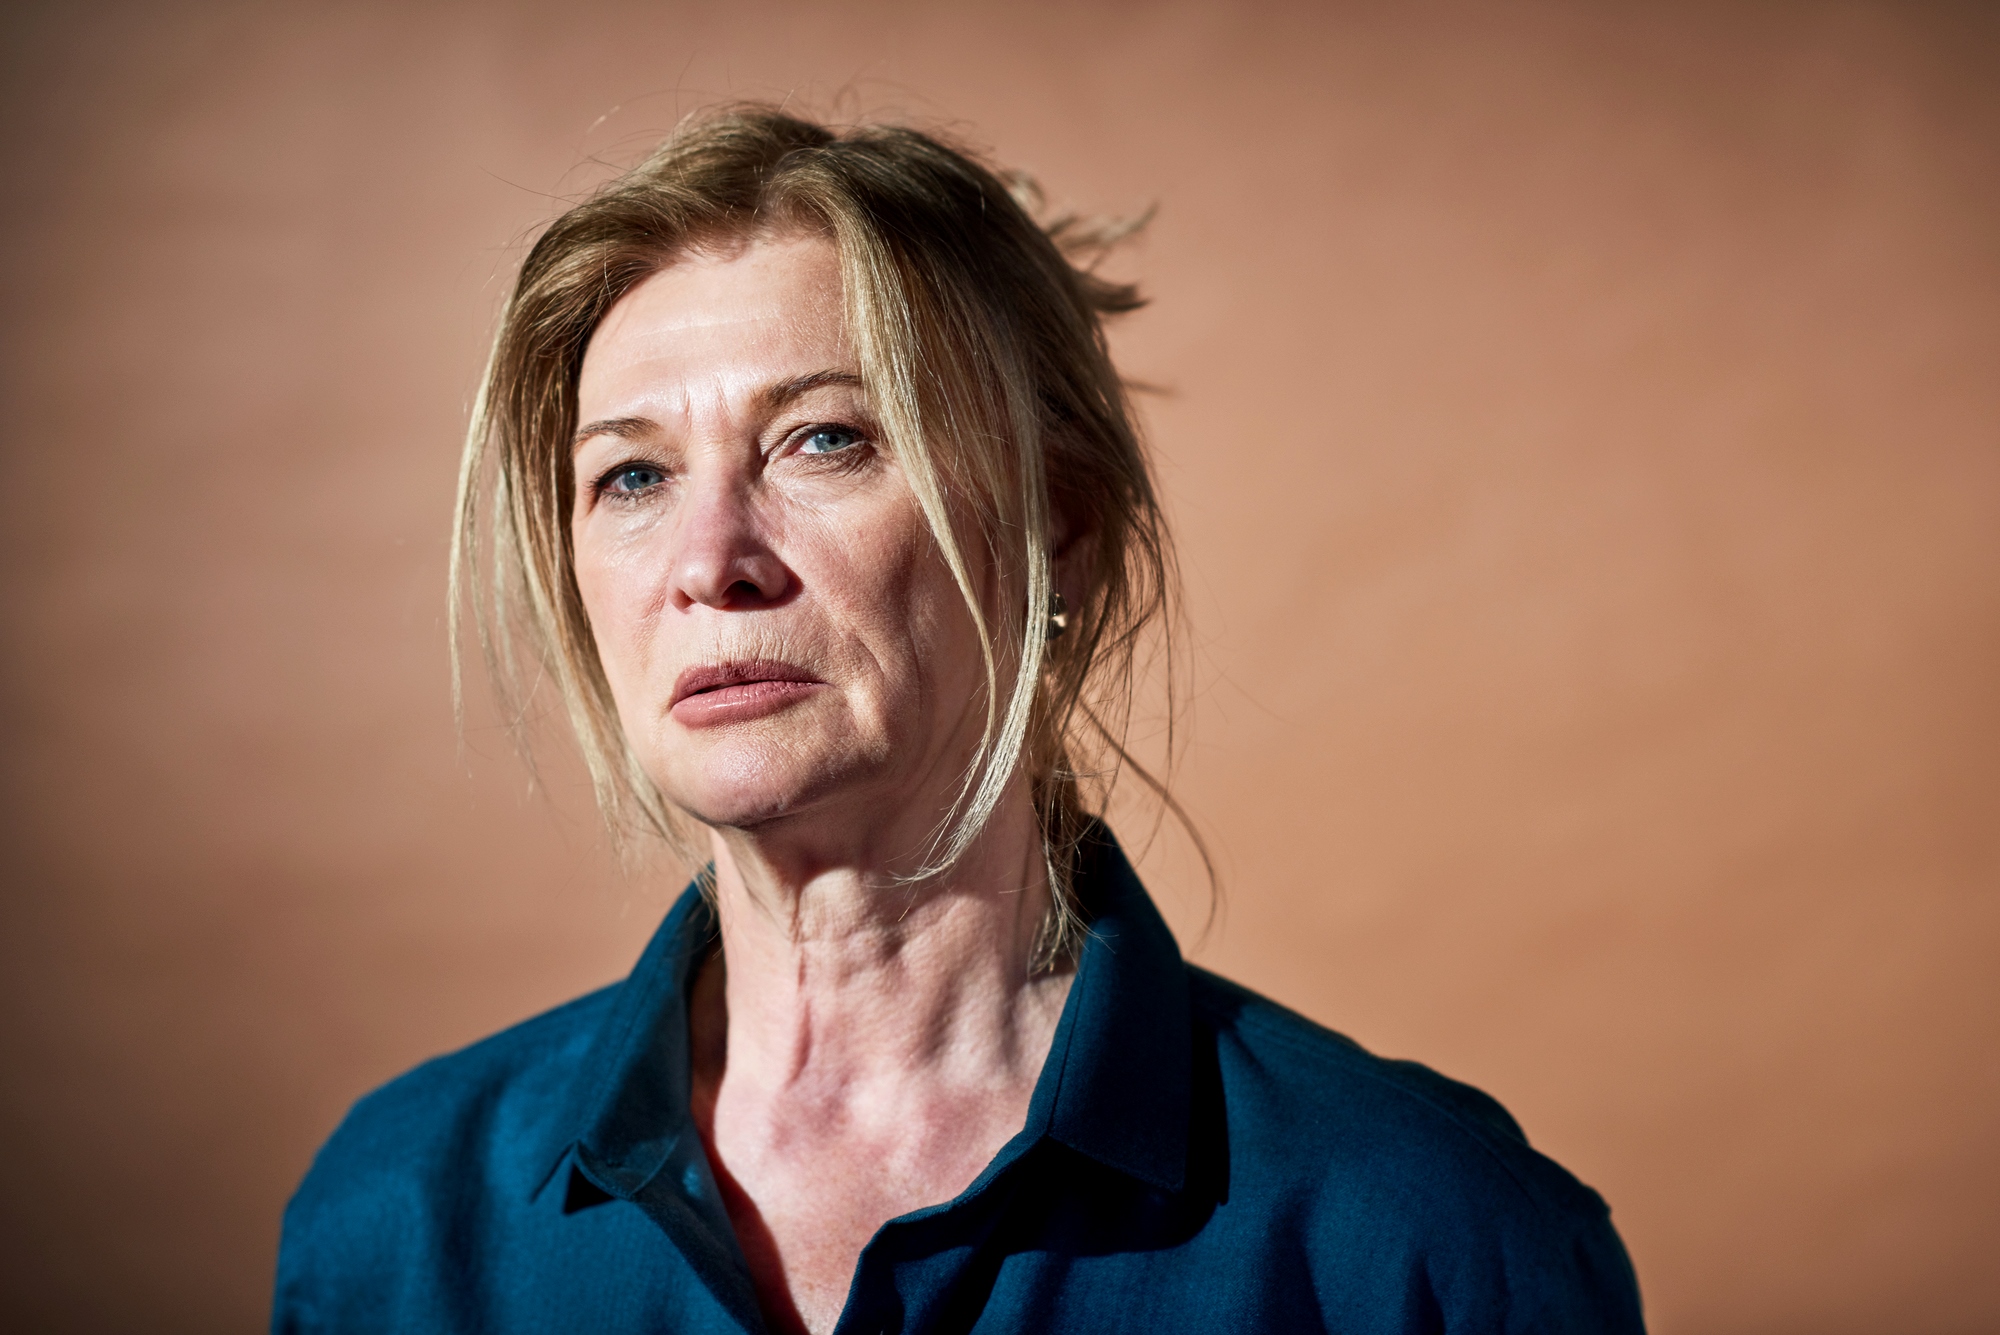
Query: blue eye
x=827, y=439
x=634, y=478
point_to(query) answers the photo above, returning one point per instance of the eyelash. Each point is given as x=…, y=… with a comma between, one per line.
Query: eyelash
x=604, y=489
x=847, y=456
x=810, y=433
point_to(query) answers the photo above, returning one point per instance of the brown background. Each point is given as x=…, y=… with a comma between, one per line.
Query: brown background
x=1581, y=426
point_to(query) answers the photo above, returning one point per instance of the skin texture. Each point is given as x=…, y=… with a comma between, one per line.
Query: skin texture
x=862, y=1046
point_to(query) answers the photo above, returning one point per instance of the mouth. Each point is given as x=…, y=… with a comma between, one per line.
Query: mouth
x=722, y=692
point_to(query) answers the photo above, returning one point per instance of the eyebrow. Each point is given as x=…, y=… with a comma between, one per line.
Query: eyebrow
x=630, y=428
x=777, y=396
x=773, y=397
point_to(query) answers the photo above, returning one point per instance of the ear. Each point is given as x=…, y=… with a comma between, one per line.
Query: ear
x=1072, y=554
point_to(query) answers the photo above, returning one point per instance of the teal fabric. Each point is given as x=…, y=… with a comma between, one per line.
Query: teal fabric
x=1195, y=1158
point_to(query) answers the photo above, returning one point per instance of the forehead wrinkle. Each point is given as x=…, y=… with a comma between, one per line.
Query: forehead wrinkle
x=695, y=351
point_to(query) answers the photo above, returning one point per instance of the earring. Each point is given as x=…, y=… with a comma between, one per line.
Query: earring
x=1058, y=616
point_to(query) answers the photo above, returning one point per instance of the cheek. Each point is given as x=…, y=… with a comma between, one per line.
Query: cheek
x=876, y=577
x=948, y=640
x=918, y=627
x=620, y=590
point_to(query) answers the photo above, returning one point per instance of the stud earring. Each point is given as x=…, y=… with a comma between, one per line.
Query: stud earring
x=1058, y=616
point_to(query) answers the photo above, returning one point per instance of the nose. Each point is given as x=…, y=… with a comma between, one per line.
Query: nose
x=722, y=558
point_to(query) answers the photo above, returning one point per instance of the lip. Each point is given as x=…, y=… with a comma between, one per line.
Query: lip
x=729, y=692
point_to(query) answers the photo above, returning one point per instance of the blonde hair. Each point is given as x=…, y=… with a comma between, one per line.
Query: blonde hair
x=983, y=357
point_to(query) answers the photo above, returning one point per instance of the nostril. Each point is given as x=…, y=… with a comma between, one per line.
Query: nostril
x=743, y=591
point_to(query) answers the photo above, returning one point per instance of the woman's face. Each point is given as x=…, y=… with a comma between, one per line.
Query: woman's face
x=780, y=632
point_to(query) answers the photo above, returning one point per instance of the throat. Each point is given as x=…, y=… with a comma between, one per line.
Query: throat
x=809, y=1178
x=817, y=1139
x=863, y=1048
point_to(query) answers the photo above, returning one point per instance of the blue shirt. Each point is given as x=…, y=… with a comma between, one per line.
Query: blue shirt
x=1195, y=1158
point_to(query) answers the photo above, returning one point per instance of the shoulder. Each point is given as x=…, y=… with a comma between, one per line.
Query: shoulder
x=1329, y=1073
x=1369, y=1151
x=508, y=1085
x=453, y=1137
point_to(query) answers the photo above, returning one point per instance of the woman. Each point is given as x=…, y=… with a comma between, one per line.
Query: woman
x=803, y=469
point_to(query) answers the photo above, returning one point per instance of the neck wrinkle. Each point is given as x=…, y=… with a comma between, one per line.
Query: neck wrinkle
x=848, y=984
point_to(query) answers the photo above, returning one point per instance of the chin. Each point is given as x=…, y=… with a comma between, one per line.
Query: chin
x=744, y=787
x=739, y=811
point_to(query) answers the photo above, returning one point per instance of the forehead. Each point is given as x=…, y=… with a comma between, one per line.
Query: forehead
x=761, y=307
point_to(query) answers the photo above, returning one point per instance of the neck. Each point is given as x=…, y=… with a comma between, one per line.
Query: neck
x=836, y=979
x=863, y=1045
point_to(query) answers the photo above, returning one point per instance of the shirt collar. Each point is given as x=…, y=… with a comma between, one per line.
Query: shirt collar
x=628, y=1109
x=1116, y=1086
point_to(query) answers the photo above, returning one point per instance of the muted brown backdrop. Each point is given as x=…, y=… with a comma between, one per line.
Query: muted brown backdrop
x=1580, y=420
